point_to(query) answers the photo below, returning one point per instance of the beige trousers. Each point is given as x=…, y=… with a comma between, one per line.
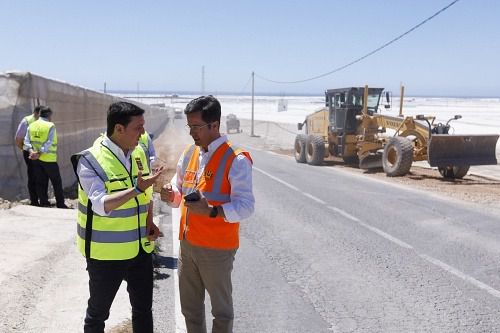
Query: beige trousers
x=203, y=269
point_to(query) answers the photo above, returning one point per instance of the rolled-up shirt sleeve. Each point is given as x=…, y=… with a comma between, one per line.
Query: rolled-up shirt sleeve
x=92, y=185
x=242, y=201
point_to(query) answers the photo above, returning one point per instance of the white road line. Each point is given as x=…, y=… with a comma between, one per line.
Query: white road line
x=310, y=196
x=490, y=290
x=386, y=236
x=371, y=228
x=276, y=179
x=180, y=324
x=345, y=214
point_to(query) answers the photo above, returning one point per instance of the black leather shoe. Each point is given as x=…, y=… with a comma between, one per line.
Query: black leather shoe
x=63, y=206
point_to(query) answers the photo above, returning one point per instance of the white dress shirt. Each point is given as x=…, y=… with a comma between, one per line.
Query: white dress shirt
x=241, y=204
x=90, y=181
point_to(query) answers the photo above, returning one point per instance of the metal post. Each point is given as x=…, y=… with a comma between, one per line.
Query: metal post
x=401, y=94
x=253, y=96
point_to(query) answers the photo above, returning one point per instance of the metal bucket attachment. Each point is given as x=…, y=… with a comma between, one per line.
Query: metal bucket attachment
x=449, y=150
x=371, y=161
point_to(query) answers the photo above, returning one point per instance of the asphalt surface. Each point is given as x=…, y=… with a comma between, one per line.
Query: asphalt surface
x=331, y=251
x=326, y=251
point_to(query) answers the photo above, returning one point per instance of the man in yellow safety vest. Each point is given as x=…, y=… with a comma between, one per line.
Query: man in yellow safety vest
x=115, y=227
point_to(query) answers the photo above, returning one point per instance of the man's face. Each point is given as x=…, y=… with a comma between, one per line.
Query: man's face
x=129, y=135
x=201, y=132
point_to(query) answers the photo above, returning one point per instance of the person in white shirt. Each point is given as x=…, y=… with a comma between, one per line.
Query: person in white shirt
x=22, y=129
x=115, y=221
x=213, y=188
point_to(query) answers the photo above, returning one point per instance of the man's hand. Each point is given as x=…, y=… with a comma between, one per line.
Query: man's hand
x=167, y=193
x=144, y=183
x=199, y=207
x=34, y=155
x=152, y=231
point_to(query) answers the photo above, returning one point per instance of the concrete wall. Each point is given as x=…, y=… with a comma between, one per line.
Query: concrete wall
x=79, y=116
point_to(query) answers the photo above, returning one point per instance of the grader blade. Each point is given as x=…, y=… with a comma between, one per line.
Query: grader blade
x=458, y=150
x=371, y=161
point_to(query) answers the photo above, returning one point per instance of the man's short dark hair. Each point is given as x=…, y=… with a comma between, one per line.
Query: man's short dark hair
x=121, y=113
x=37, y=109
x=45, y=111
x=209, y=107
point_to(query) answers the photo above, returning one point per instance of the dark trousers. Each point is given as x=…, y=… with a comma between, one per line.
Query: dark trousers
x=105, y=278
x=43, y=172
x=31, y=178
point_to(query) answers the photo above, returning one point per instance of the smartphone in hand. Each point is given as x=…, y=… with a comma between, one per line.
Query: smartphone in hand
x=194, y=196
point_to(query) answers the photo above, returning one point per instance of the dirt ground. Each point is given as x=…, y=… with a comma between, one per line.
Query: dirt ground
x=471, y=189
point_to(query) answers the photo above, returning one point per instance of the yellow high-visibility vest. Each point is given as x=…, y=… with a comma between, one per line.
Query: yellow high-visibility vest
x=144, y=143
x=118, y=235
x=30, y=119
x=39, y=133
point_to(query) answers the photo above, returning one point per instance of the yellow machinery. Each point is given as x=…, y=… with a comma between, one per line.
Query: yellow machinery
x=351, y=127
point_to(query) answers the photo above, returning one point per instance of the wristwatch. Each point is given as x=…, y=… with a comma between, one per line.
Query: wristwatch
x=214, y=212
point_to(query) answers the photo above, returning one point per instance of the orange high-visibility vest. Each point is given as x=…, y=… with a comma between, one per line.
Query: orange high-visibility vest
x=213, y=184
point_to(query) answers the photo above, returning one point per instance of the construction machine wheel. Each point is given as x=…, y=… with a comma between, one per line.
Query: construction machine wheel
x=454, y=172
x=397, y=157
x=315, y=150
x=300, y=148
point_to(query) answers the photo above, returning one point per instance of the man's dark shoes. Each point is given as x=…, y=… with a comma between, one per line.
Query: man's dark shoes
x=63, y=206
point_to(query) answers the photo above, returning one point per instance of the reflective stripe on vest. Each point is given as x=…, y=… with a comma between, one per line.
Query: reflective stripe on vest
x=39, y=134
x=112, y=236
x=201, y=230
x=116, y=236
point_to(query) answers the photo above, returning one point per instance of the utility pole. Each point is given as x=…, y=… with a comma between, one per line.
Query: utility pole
x=104, y=86
x=253, y=96
x=203, y=79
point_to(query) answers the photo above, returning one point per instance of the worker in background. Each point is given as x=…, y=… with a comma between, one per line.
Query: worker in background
x=22, y=129
x=147, y=144
x=209, y=228
x=41, y=142
x=116, y=231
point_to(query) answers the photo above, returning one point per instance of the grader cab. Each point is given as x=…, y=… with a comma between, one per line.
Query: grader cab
x=350, y=126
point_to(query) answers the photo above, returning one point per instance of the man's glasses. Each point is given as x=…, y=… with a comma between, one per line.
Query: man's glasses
x=196, y=128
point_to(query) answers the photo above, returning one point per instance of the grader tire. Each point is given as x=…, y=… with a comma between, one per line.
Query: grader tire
x=315, y=150
x=397, y=157
x=300, y=148
x=454, y=172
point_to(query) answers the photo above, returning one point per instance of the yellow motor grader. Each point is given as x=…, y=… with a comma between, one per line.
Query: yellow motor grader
x=350, y=126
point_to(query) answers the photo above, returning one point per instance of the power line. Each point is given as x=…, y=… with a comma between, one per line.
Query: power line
x=246, y=85
x=366, y=55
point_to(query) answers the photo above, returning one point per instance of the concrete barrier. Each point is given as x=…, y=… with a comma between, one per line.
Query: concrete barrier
x=79, y=116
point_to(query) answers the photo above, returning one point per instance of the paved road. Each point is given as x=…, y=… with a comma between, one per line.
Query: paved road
x=368, y=256
x=331, y=251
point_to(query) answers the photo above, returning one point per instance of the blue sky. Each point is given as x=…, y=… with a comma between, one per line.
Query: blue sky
x=162, y=45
